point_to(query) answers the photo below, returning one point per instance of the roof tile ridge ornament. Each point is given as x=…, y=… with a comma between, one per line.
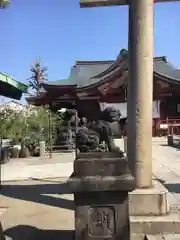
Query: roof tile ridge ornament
x=124, y=53
x=121, y=57
x=162, y=58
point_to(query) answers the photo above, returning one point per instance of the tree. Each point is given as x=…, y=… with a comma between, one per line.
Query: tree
x=4, y=3
x=12, y=124
x=38, y=123
x=19, y=124
x=38, y=77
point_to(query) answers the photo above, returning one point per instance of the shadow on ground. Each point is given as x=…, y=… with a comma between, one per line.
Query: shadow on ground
x=37, y=193
x=160, y=180
x=175, y=145
x=172, y=187
x=164, y=145
x=24, y=232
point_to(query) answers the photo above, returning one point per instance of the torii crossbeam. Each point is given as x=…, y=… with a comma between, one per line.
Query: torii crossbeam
x=140, y=84
x=100, y=3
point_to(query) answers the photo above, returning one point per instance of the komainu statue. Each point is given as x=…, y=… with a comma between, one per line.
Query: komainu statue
x=91, y=138
x=65, y=132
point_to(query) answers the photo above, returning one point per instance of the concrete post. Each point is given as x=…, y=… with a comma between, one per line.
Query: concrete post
x=141, y=19
x=42, y=145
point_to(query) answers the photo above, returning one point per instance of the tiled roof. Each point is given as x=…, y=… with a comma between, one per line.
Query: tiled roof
x=166, y=69
x=62, y=82
x=82, y=72
x=86, y=73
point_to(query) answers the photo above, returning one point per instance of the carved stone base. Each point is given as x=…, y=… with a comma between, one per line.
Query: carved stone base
x=100, y=183
x=101, y=215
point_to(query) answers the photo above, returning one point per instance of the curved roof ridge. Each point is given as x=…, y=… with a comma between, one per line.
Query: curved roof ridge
x=116, y=71
x=109, y=69
x=167, y=77
x=121, y=56
x=172, y=72
x=93, y=62
x=163, y=58
x=89, y=75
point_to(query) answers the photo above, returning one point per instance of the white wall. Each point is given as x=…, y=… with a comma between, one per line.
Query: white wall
x=123, y=108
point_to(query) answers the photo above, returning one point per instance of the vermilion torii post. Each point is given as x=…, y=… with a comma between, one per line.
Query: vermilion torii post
x=140, y=84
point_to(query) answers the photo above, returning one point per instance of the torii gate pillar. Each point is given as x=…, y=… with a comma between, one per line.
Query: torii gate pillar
x=140, y=90
x=140, y=85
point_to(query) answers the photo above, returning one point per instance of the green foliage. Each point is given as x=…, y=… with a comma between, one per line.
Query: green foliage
x=56, y=120
x=38, y=123
x=4, y=3
x=12, y=124
x=28, y=127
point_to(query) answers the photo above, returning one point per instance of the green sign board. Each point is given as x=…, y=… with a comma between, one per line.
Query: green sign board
x=100, y=3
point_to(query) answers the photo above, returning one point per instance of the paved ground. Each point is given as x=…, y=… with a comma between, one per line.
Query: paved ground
x=37, y=210
x=61, y=165
x=166, y=167
x=44, y=209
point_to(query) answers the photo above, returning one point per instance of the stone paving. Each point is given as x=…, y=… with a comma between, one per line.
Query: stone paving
x=166, y=167
x=37, y=210
x=43, y=209
x=61, y=165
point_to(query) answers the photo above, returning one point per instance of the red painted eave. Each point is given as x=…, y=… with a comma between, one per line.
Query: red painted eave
x=46, y=85
x=60, y=88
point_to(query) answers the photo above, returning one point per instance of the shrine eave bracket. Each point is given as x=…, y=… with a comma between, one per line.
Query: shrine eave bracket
x=100, y=3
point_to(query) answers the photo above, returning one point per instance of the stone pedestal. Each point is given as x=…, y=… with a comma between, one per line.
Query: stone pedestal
x=100, y=183
x=150, y=201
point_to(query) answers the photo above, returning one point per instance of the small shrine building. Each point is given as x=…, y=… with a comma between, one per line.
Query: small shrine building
x=94, y=85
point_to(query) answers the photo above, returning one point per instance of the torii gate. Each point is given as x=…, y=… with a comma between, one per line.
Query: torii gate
x=140, y=84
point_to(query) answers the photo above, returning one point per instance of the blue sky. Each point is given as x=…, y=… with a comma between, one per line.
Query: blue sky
x=59, y=32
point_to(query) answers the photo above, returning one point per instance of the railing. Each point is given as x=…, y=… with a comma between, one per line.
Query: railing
x=169, y=126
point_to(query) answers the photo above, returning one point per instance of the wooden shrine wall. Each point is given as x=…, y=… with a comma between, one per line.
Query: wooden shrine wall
x=170, y=107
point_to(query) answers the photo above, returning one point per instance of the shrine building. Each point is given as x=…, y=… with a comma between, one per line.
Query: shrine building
x=94, y=85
